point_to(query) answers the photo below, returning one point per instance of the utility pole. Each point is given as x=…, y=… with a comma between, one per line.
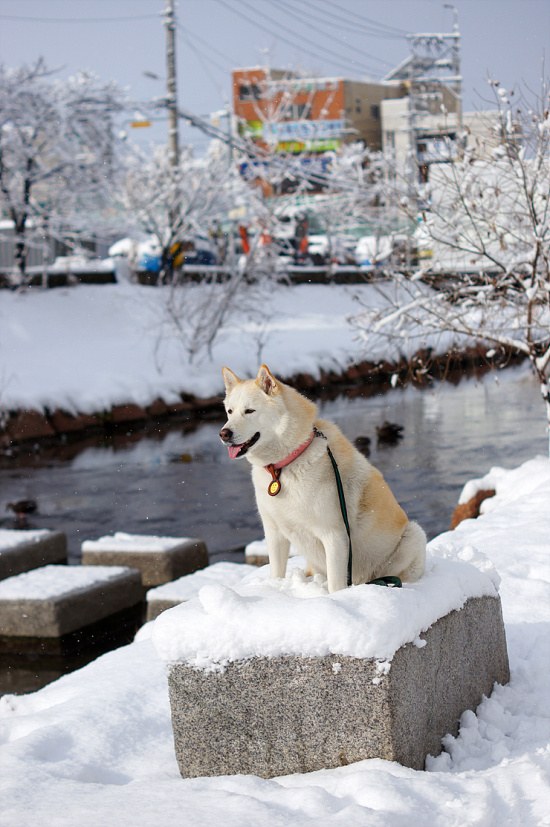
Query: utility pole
x=171, y=86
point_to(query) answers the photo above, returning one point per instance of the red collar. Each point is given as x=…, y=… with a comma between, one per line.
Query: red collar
x=274, y=469
x=295, y=454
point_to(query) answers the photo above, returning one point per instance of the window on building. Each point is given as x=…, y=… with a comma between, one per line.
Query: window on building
x=249, y=92
x=375, y=112
x=357, y=105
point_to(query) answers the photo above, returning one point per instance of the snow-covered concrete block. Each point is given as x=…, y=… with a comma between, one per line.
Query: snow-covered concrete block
x=159, y=559
x=276, y=716
x=267, y=682
x=22, y=550
x=255, y=553
x=186, y=587
x=55, y=600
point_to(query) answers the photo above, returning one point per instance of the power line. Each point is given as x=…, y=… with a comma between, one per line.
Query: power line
x=355, y=27
x=119, y=19
x=203, y=61
x=292, y=11
x=317, y=55
x=300, y=37
x=230, y=61
x=384, y=27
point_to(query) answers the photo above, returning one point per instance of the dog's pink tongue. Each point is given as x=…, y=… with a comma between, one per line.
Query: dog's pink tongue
x=233, y=451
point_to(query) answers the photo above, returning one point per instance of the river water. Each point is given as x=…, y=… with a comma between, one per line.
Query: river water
x=178, y=481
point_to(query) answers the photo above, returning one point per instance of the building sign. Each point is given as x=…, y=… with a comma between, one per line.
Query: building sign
x=295, y=147
x=258, y=169
x=303, y=130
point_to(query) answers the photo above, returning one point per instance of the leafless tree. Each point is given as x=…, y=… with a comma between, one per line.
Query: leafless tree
x=486, y=217
x=57, y=145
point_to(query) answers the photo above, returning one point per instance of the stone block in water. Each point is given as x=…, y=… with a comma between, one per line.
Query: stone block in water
x=56, y=600
x=159, y=559
x=23, y=550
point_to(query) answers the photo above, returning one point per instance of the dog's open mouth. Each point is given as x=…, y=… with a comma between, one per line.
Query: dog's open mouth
x=239, y=450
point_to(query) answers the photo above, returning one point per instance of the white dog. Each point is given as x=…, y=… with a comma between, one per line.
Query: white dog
x=296, y=487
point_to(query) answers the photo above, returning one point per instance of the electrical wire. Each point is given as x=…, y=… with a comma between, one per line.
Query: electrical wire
x=229, y=60
x=202, y=60
x=119, y=19
x=384, y=27
x=318, y=55
x=293, y=12
x=335, y=20
x=301, y=37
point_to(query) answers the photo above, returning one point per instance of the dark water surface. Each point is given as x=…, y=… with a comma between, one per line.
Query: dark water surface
x=178, y=482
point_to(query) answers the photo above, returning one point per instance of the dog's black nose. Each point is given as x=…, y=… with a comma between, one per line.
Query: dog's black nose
x=226, y=434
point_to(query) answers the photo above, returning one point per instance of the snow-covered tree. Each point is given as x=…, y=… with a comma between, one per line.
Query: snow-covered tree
x=178, y=206
x=57, y=144
x=487, y=221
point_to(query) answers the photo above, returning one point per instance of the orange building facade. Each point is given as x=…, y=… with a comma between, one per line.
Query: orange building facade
x=283, y=112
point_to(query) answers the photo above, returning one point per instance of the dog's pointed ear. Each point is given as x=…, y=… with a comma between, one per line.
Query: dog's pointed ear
x=230, y=379
x=267, y=381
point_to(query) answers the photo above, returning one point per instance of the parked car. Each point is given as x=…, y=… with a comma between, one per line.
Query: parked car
x=145, y=255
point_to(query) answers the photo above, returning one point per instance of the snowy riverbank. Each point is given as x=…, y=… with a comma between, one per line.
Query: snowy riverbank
x=89, y=348
x=96, y=746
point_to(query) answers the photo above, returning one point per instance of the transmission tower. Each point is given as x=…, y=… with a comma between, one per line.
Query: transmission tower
x=435, y=82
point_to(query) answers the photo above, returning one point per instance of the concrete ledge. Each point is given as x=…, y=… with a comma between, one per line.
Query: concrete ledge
x=24, y=550
x=275, y=716
x=55, y=600
x=159, y=559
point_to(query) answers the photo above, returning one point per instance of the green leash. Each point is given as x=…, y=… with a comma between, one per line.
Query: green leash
x=388, y=580
x=344, y=511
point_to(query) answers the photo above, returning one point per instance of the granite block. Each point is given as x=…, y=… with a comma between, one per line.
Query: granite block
x=55, y=600
x=289, y=714
x=24, y=550
x=159, y=560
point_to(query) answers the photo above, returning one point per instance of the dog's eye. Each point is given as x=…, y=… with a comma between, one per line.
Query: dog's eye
x=249, y=410
x=229, y=411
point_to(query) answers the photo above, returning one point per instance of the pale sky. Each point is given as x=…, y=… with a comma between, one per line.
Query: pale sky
x=121, y=39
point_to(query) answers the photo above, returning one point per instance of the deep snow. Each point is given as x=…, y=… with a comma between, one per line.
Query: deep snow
x=95, y=747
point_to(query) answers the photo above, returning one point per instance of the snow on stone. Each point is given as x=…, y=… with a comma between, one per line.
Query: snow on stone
x=10, y=538
x=297, y=616
x=187, y=587
x=120, y=541
x=54, y=581
x=258, y=548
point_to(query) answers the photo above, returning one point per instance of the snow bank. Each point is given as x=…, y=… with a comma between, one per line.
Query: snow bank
x=88, y=348
x=261, y=617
